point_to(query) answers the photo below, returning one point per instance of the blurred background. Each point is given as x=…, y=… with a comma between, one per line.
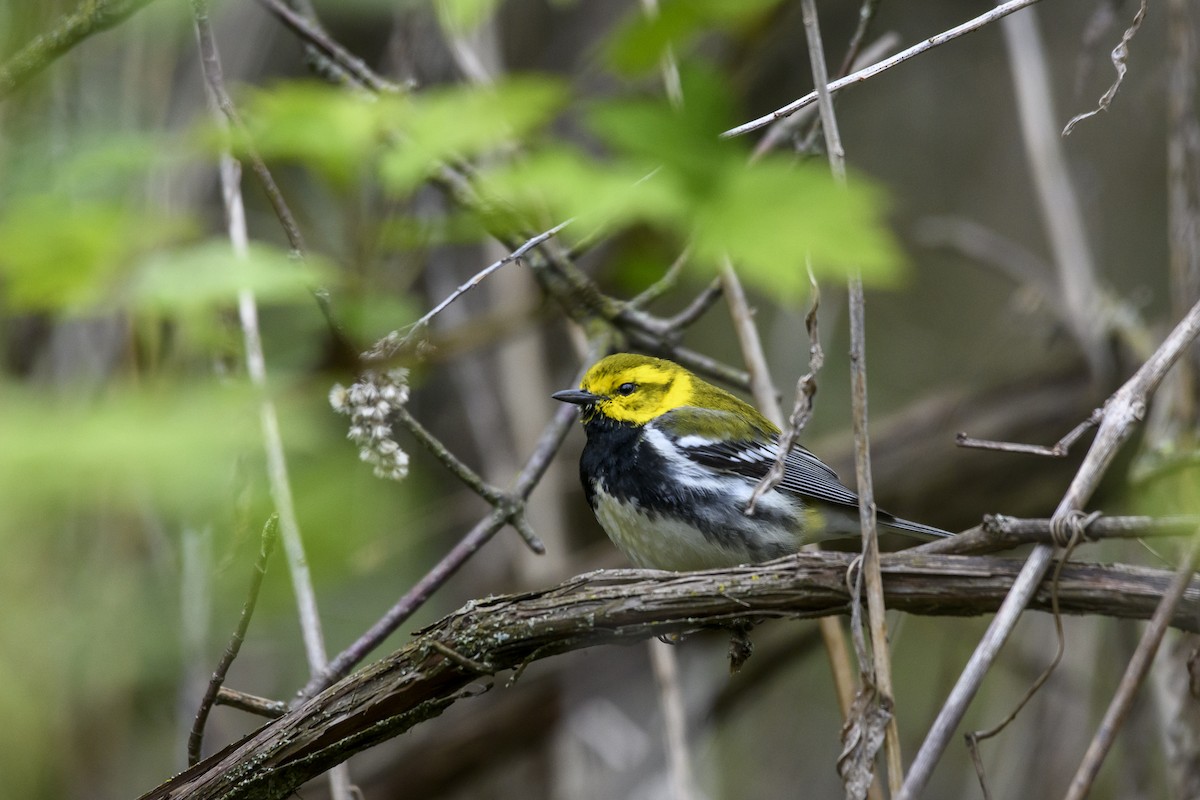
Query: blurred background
x=134, y=480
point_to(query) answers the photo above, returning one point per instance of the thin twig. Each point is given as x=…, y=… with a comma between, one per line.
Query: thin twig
x=802, y=407
x=286, y=219
x=1060, y=449
x=866, y=15
x=468, y=476
x=283, y=212
x=251, y=704
x=1119, y=56
x=313, y=34
x=266, y=545
x=458, y=555
x=876, y=610
x=761, y=385
x=1135, y=673
x=416, y=682
x=695, y=309
x=88, y=18
x=790, y=126
x=1078, y=289
x=664, y=284
x=875, y=69
x=852, y=60
x=1121, y=413
x=277, y=475
x=975, y=737
x=664, y=662
x=763, y=390
x=395, y=342
x=256, y=362
x=999, y=532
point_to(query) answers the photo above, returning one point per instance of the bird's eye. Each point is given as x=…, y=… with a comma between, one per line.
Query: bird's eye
x=627, y=388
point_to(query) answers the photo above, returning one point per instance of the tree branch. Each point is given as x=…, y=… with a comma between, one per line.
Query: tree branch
x=1122, y=412
x=89, y=17
x=419, y=681
x=870, y=72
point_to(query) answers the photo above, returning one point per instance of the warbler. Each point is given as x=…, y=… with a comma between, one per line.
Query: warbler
x=671, y=462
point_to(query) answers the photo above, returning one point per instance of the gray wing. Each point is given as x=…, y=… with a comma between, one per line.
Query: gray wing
x=804, y=473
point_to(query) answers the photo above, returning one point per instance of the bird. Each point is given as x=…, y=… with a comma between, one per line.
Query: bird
x=671, y=461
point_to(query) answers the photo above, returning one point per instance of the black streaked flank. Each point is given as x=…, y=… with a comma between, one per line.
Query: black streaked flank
x=630, y=469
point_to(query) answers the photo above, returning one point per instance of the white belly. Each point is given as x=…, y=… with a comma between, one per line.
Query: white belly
x=659, y=542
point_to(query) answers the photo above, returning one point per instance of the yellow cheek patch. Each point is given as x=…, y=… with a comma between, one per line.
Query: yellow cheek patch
x=679, y=393
x=658, y=392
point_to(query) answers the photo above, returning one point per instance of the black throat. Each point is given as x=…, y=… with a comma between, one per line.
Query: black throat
x=615, y=456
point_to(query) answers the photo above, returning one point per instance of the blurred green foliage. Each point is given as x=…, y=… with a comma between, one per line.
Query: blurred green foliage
x=666, y=168
x=659, y=166
x=64, y=255
x=638, y=45
x=127, y=422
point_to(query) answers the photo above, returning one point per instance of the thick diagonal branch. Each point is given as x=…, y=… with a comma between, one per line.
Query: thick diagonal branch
x=420, y=680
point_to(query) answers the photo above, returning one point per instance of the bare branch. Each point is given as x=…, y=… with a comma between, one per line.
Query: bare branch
x=700, y=304
x=1060, y=449
x=665, y=664
x=256, y=367
x=418, y=681
x=999, y=532
x=876, y=698
x=763, y=389
x=89, y=17
x=1120, y=55
x=1122, y=411
x=485, y=529
x=802, y=407
x=252, y=704
x=1135, y=673
x=1078, y=288
x=343, y=58
x=875, y=69
x=266, y=545
x=394, y=342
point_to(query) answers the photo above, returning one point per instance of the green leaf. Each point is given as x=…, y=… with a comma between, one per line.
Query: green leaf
x=682, y=141
x=561, y=183
x=370, y=315
x=179, y=442
x=462, y=122
x=421, y=232
x=463, y=16
x=328, y=128
x=209, y=276
x=63, y=255
x=768, y=217
x=640, y=43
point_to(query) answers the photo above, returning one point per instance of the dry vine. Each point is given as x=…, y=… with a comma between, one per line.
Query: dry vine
x=440, y=664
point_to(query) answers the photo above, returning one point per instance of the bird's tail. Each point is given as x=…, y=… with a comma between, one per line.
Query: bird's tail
x=916, y=529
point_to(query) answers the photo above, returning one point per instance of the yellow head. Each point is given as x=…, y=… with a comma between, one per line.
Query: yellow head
x=635, y=389
x=631, y=388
